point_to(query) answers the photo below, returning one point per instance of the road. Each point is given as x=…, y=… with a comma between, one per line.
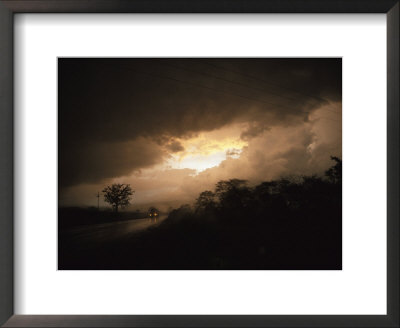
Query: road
x=91, y=234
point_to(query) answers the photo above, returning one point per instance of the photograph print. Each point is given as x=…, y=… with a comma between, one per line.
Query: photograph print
x=199, y=164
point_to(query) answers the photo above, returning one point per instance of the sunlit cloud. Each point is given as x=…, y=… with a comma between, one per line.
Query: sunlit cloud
x=208, y=149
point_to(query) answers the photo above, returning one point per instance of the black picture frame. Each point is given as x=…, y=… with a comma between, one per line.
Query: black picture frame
x=10, y=7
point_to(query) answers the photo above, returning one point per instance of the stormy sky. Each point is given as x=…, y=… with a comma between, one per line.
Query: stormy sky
x=174, y=127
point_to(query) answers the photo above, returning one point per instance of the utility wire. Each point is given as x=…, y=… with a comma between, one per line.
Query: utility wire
x=266, y=82
x=229, y=81
x=242, y=84
x=209, y=88
x=239, y=83
x=216, y=90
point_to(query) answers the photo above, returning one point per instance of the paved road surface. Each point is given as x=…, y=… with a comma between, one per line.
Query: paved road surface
x=109, y=231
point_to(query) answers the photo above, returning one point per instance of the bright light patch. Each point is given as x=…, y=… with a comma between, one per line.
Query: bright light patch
x=199, y=162
x=208, y=149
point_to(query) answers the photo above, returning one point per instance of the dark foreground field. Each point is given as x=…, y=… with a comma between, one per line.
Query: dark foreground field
x=277, y=225
x=292, y=244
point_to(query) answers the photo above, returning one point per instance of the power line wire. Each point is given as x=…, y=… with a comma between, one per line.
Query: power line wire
x=266, y=82
x=238, y=83
x=217, y=90
x=229, y=81
x=212, y=89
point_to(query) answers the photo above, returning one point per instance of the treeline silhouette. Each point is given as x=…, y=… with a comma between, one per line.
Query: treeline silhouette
x=291, y=223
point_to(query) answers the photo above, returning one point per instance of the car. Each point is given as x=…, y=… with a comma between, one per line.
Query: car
x=153, y=212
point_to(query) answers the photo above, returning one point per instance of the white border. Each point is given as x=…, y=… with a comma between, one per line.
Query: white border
x=360, y=288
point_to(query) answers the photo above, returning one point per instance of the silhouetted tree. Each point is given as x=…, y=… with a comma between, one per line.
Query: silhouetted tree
x=206, y=201
x=183, y=212
x=334, y=174
x=224, y=187
x=118, y=195
x=233, y=195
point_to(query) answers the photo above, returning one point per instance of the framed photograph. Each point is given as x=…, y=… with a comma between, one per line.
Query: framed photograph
x=208, y=164
x=199, y=164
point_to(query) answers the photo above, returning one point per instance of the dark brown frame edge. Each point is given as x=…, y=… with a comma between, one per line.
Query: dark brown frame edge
x=7, y=10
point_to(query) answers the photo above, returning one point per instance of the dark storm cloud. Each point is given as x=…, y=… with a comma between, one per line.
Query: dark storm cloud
x=254, y=129
x=175, y=146
x=90, y=161
x=232, y=152
x=120, y=115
